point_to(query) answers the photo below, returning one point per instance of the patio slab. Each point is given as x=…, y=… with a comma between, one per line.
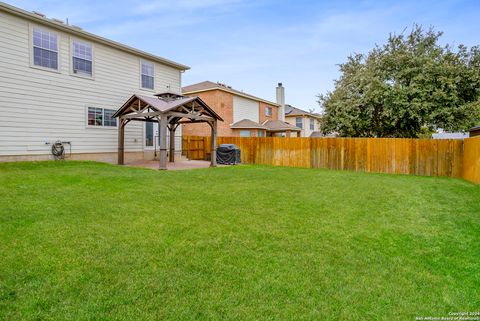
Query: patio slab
x=177, y=165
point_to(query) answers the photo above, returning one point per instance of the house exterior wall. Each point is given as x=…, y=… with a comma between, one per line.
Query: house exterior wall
x=39, y=105
x=223, y=103
x=306, y=131
x=263, y=116
x=244, y=108
x=252, y=132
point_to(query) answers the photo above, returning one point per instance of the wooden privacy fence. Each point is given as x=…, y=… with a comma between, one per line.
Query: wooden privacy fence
x=471, y=160
x=429, y=157
x=194, y=147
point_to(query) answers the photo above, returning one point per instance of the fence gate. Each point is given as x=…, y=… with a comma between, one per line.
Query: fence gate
x=194, y=148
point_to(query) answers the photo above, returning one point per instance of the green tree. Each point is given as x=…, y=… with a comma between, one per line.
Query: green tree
x=407, y=87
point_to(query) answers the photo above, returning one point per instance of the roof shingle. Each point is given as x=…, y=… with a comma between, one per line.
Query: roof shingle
x=210, y=85
x=247, y=124
x=294, y=111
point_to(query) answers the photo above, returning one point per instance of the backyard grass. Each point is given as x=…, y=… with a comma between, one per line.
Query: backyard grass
x=90, y=241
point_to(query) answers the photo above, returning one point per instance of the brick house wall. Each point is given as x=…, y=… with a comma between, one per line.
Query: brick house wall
x=222, y=104
x=263, y=117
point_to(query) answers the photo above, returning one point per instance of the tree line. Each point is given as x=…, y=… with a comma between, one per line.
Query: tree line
x=409, y=87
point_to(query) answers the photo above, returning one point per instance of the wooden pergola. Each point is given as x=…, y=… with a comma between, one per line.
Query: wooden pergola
x=169, y=110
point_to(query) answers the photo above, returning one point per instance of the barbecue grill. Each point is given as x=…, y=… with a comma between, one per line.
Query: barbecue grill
x=228, y=154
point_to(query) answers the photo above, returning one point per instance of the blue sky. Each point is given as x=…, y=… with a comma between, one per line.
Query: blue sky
x=253, y=45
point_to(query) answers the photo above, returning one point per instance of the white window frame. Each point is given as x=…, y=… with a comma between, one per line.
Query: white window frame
x=296, y=122
x=245, y=130
x=81, y=74
x=30, y=49
x=312, y=124
x=268, y=111
x=155, y=136
x=103, y=119
x=141, y=74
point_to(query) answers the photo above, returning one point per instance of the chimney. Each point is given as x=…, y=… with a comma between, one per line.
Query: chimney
x=281, y=101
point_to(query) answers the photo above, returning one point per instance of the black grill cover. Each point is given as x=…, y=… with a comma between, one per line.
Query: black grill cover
x=228, y=154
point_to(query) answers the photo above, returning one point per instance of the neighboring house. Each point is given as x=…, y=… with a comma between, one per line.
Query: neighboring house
x=244, y=115
x=59, y=82
x=307, y=121
x=475, y=131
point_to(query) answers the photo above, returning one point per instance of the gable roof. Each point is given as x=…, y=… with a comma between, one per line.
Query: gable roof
x=294, y=111
x=163, y=105
x=77, y=31
x=247, y=124
x=279, y=125
x=210, y=85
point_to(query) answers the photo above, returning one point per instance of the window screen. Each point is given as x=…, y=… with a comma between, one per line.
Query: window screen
x=45, y=48
x=82, y=57
x=147, y=75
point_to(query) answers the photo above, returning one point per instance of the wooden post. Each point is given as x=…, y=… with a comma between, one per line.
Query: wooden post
x=213, y=154
x=171, y=154
x=121, y=141
x=162, y=130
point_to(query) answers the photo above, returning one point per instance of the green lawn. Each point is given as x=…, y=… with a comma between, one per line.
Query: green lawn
x=89, y=241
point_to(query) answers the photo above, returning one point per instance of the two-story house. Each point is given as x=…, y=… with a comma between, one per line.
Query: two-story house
x=61, y=83
x=244, y=115
x=308, y=122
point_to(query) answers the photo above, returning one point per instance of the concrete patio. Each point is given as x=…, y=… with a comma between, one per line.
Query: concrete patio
x=177, y=165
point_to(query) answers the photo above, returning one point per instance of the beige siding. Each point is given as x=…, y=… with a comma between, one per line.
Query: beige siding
x=38, y=106
x=306, y=132
x=244, y=108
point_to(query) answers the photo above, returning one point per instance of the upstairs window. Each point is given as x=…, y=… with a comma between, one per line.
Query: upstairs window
x=268, y=111
x=312, y=124
x=82, y=58
x=101, y=117
x=299, y=122
x=147, y=72
x=45, y=49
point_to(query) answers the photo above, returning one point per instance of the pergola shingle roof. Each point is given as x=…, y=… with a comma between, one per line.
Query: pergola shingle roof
x=164, y=105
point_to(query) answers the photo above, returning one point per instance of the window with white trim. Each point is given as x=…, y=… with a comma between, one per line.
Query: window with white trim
x=101, y=117
x=268, y=111
x=149, y=134
x=147, y=73
x=299, y=122
x=312, y=124
x=244, y=133
x=45, y=48
x=82, y=57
